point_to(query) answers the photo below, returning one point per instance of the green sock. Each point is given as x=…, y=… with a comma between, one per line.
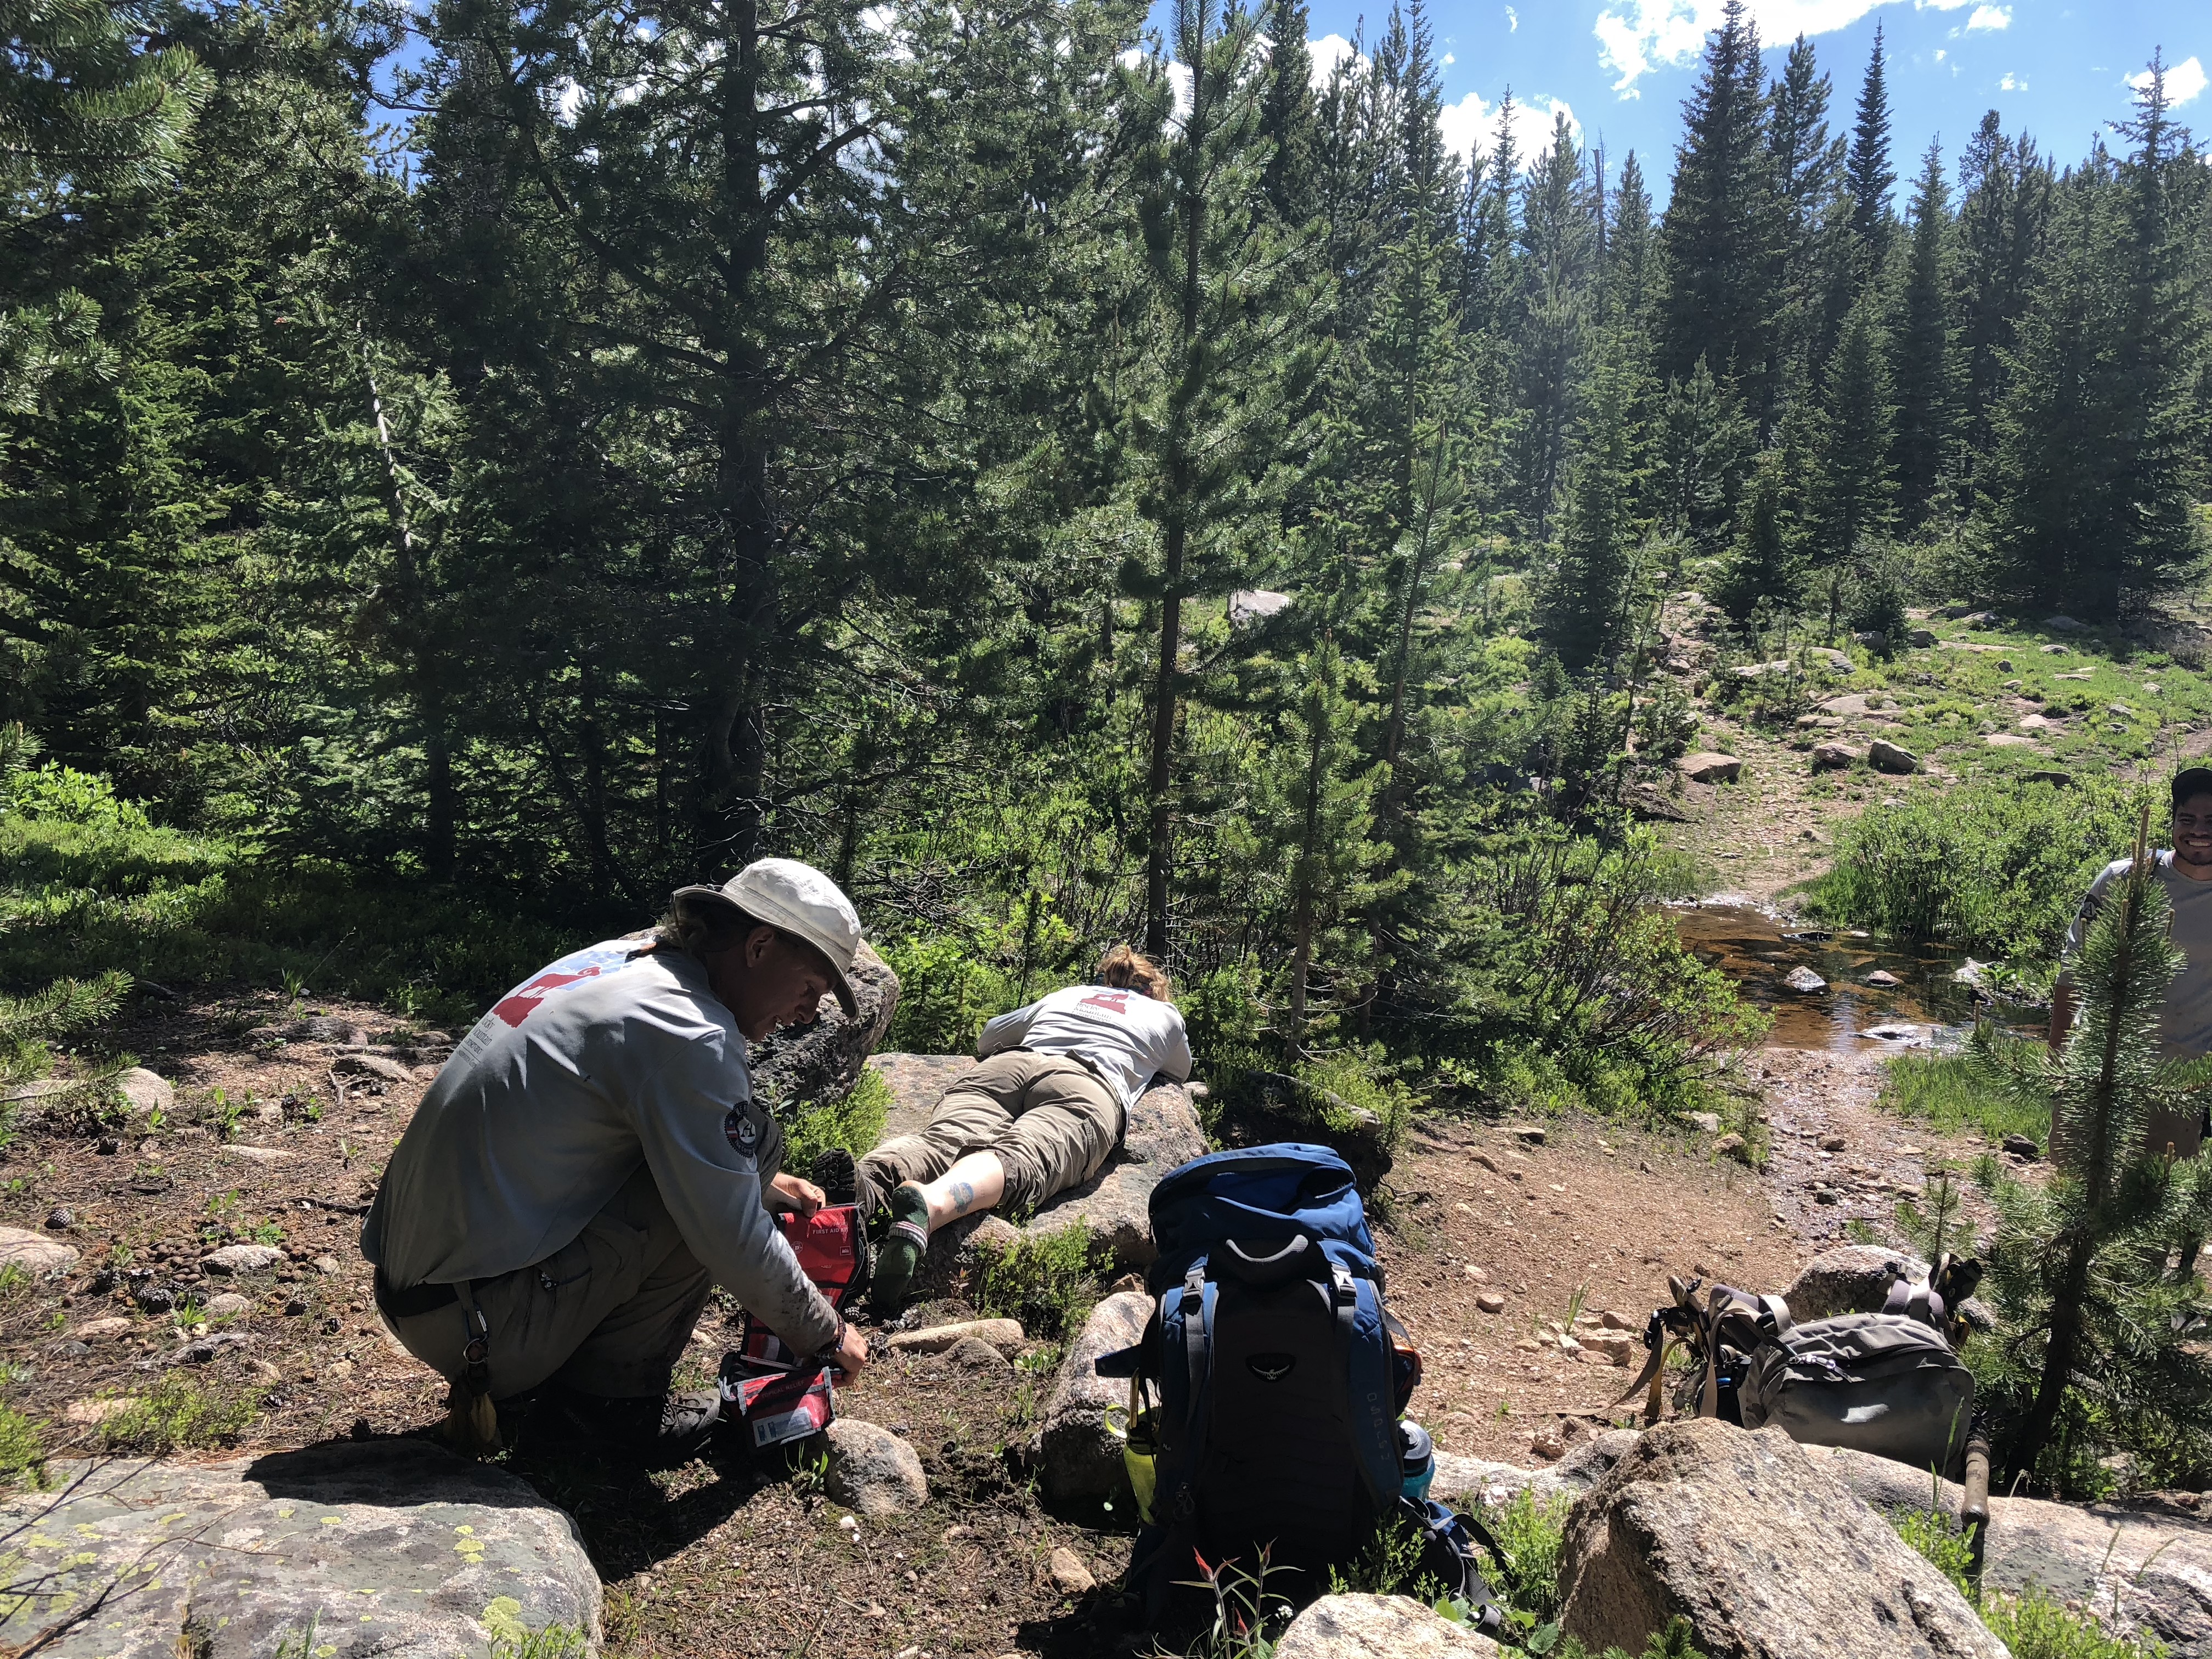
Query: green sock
x=898, y=1258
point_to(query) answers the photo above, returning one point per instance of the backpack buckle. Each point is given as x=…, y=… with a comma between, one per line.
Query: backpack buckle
x=1194, y=1291
x=1346, y=1294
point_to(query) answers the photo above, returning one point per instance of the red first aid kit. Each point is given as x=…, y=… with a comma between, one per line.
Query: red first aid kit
x=775, y=1395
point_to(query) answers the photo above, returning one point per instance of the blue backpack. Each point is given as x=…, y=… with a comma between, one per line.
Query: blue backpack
x=1279, y=1372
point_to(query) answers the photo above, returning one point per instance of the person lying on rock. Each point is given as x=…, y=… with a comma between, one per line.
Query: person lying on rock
x=591, y=1159
x=1041, y=1112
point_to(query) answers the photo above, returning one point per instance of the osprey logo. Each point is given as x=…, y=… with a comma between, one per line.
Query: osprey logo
x=1271, y=1367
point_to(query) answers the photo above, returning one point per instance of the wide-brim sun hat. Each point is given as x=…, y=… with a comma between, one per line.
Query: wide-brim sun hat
x=797, y=899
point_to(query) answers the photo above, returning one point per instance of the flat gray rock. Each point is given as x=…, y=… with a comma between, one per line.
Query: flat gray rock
x=873, y=1471
x=1078, y=1455
x=2137, y=1571
x=392, y=1548
x=1378, y=1627
x=1768, y=1554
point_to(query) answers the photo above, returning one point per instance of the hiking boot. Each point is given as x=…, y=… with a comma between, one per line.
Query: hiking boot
x=658, y=1430
x=898, y=1257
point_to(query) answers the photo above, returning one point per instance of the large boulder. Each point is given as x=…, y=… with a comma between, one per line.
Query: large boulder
x=2137, y=1570
x=1076, y=1455
x=395, y=1548
x=1848, y=1279
x=1768, y=1554
x=823, y=1061
x=1378, y=1627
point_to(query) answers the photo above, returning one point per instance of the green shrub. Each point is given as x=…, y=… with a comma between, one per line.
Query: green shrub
x=946, y=991
x=64, y=794
x=1953, y=1091
x=1050, y=1283
x=2036, y=1626
x=1530, y=1532
x=176, y=1413
x=1946, y=1548
x=854, y=1121
x=22, y=1452
x=1997, y=866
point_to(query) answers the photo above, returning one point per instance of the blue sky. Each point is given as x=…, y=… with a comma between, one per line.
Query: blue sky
x=1622, y=68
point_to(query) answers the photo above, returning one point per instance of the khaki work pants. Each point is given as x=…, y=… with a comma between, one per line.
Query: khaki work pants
x=1053, y=1122
x=609, y=1313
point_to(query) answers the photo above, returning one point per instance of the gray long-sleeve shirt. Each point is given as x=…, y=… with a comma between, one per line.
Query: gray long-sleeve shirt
x=1124, y=1035
x=614, y=1055
x=2185, y=1023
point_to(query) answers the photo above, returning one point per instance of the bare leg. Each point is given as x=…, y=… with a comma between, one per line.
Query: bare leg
x=973, y=1184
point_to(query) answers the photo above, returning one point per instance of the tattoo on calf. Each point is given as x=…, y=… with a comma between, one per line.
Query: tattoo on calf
x=963, y=1194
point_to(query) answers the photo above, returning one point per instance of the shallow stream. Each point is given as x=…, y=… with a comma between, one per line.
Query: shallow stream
x=1757, y=949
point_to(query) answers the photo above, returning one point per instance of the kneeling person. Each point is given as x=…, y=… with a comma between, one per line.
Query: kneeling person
x=592, y=1159
x=1041, y=1113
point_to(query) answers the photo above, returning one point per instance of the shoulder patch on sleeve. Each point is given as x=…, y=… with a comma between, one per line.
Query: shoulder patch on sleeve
x=741, y=1128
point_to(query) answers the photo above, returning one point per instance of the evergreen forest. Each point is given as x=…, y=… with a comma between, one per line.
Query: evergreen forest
x=464, y=471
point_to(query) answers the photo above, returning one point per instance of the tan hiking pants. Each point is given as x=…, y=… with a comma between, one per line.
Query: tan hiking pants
x=1053, y=1122
x=607, y=1314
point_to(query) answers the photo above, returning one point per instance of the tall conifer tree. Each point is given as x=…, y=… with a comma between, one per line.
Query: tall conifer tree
x=1868, y=175
x=1924, y=363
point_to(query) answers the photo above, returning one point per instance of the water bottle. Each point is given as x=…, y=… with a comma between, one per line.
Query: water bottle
x=1417, y=1461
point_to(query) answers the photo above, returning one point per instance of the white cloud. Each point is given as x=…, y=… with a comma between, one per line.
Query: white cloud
x=1939, y=5
x=2185, y=82
x=1640, y=35
x=1989, y=17
x=1179, y=78
x=1512, y=21
x=2012, y=83
x=1447, y=60
x=1470, y=125
x=1327, y=52
x=1941, y=54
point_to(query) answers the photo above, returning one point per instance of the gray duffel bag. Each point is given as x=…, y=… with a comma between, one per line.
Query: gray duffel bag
x=1879, y=1382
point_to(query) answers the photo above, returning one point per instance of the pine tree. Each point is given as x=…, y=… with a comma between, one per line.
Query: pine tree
x=1707, y=444
x=1589, y=598
x=1288, y=119
x=1557, y=259
x=1628, y=263
x=1226, y=318
x=1716, y=242
x=1922, y=364
x=1766, y=562
x=1852, y=491
x=1867, y=175
x=2005, y=197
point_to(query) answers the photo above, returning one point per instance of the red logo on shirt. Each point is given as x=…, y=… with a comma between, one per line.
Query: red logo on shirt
x=1116, y=1001
x=524, y=1003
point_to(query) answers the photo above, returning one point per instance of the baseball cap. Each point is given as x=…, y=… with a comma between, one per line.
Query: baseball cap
x=2192, y=781
x=797, y=899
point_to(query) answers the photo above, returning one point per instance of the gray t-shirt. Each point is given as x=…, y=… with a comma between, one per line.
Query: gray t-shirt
x=612, y=1057
x=2185, y=1027
x=1124, y=1035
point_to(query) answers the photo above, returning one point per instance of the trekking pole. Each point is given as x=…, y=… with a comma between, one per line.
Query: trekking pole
x=1974, y=1507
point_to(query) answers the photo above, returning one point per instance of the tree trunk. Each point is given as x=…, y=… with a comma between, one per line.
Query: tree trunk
x=1161, y=776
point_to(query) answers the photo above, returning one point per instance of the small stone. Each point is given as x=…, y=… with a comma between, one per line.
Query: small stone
x=338, y=1369
x=1732, y=1145
x=872, y=1470
x=258, y=1154
x=1831, y=1143
x=146, y=1091
x=1529, y=1134
x=243, y=1259
x=1707, y=767
x=377, y=1065
x=326, y=1264
x=86, y=1412
x=228, y=1302
x=34, y=1253
x=1548, y=1445
x=1836, y=758
x=1069, y=1575
x=1803, y=981
x=2021, y=1147
x=1491, y=1302
x=1004, y=1335
x=99, y=1330
x=972, y=1354
x=1479, y=1275
x=1485, y=1160
x=1613, y=1322
x=1708, y=1122
x=1884, y=978
x=1887, y=756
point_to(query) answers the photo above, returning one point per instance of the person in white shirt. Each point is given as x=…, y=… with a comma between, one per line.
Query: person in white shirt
x=1043, y=1111
x=591, y=1159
